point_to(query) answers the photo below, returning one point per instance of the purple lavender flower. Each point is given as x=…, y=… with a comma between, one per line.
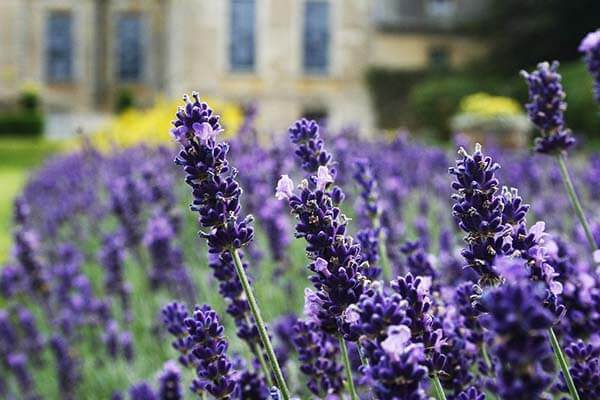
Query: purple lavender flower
x=126, y=343
x=478, y=211
x=546, y=109
x=111, y=257
x=369, y=211
x=317, y=353
x=251, y=384
x=231, y=289
x=26, y=252
x=309, y=145
x=18, y=366
x=519, y=324
x=67, y=367
x=590, y=47
x=12, y=280
x=126, y=203
x=336, y=262
x=470, y=321
x=32, y=340
x=425, y=328
x=369, y=246
x=418, y=261
x=398, y=369
x=174, y=315
x=111, y=338
x=215, y=374
x=142, y=391
x=8, y=334
x=472, y=393
x=585, y=369
x=168, y=269
x=369, y=191
x=215, y=189
x=170, y=382
x=376, y=310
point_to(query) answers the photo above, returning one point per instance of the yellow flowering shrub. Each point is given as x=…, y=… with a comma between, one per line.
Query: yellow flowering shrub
x=152, y=125
x=486, y=105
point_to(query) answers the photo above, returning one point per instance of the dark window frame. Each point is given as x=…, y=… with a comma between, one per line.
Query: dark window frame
x=59, y=47
x=130, y=63
x=242, y=35
x=316, y=37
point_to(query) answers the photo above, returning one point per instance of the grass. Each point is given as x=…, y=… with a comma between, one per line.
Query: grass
x=18, y=157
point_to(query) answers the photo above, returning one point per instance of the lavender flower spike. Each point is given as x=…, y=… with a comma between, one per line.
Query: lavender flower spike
x=546, y=109
x=519, y=322
x=216, y=194
x=478, y=211
x=215, y=372
x=590, y=47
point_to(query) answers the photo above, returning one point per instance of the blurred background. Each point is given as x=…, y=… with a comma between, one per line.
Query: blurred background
x=115, y=69
x=105, y=233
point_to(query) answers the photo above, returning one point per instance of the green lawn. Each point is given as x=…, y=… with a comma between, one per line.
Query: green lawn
x=18, y=157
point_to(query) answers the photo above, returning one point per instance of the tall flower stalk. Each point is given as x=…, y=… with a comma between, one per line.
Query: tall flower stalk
x=546, y=111
x=216, y=194
x=372, y=237
x=496, y=231
x=338, y=274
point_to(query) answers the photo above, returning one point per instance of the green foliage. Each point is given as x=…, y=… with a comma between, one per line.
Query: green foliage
x=388, y=89
x=582, y=112
x=426, y=100
x=30, y=101
x=17, y=157
x=125, y=100
x=520, y=33
x=434, y=101
x=21, y=123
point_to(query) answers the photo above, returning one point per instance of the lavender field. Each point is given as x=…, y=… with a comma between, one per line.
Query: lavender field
x=328, y=265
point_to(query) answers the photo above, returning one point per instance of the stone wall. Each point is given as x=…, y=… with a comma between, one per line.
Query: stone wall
x=186, y=48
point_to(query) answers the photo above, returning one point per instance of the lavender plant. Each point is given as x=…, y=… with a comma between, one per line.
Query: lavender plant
x=76, y=307
x=546, y=111
x=217, y=200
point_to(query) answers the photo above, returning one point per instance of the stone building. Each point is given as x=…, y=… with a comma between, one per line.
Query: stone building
x=293, y=56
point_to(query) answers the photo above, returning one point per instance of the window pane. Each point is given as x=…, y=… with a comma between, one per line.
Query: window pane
x=241, y=35
x=439, y=58
x=59, y=50
x=129, y=47
x=316, y=36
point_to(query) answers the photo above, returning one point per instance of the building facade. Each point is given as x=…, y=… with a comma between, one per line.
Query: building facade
x=294, y=57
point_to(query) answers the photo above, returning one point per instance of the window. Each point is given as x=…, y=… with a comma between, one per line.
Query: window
x=441, y=8
x=318, y=114
x=242, y=35
x=439, y=58
x=130, y=51
x=316, y=36
x=59, y=50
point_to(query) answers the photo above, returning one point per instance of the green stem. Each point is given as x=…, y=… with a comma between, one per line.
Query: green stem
x=383, y=256
x=560, y=358
x=260, y=324
x=486, y=357
x=263, y=365
x=575, y=200
x=346, y=361
x=257, y=352
x=438, y=390
x=489, y=365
